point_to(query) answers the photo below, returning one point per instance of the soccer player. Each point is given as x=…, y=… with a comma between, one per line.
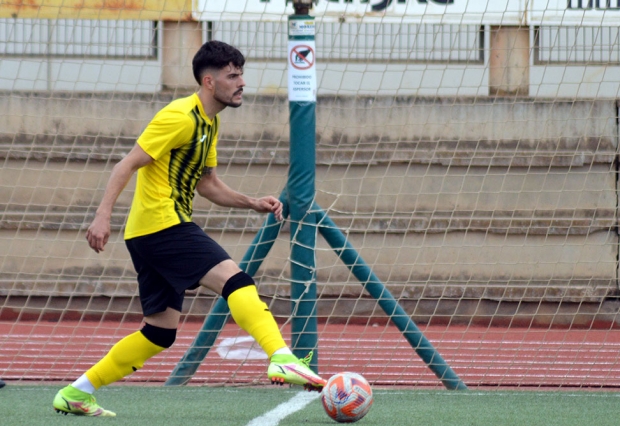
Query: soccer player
x=175, y=157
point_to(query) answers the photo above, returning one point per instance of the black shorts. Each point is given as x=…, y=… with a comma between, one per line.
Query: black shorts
x=171, y=261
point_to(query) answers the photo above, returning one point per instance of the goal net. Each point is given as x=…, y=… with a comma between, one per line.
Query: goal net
x=467, y=150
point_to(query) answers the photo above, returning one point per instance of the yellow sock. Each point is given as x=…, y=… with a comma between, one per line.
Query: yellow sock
x=125, y=357
x=253, y=315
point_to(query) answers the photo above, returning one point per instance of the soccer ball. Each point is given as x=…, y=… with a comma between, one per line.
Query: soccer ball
x=347, y=397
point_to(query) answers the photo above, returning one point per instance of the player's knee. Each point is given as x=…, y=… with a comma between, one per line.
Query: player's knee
x=163, y=337
x=234, y=283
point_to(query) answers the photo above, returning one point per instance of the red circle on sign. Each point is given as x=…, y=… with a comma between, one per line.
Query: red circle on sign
x=302, y=57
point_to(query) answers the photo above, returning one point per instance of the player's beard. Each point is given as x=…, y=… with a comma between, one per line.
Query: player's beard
x=229, y=102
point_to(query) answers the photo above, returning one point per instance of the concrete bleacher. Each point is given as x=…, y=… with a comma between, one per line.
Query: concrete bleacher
x=465, y=207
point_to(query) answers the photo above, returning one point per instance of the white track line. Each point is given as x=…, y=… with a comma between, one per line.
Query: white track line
x=296, y=403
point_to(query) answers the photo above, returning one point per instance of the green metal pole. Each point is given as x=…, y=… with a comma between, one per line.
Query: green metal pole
x=300, y=187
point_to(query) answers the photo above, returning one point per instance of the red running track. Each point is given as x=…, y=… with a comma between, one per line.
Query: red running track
x=480, y=356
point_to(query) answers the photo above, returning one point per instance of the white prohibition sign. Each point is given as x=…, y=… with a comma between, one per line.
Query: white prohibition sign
x=302, y=57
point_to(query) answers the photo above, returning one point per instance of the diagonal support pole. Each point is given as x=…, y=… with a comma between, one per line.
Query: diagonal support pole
x=351, y=258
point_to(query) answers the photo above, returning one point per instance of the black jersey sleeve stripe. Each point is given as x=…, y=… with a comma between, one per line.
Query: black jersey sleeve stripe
x=185, y=168
x=211, y=138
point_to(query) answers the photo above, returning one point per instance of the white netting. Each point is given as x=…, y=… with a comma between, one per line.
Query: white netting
x=467, y=150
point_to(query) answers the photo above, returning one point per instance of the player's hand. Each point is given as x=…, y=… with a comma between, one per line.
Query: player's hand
x=270, y=204
x=98, y=233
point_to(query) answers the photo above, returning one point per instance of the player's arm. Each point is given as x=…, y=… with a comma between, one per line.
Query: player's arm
x=215, y=190
x=99, y=230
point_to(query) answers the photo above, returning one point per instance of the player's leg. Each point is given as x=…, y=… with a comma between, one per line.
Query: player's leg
x=125, y=357
x=161, y=305
x=131, y=352
x=254, y=316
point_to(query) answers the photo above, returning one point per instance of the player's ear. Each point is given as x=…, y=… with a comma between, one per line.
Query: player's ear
x=207, y=80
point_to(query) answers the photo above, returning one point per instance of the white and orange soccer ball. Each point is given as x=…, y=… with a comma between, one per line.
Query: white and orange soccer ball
x=347, y=397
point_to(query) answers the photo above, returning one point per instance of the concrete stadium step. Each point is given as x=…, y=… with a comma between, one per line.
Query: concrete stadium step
x=112, y=286
x=499, y=153
x=540, y=222
x=350, y=189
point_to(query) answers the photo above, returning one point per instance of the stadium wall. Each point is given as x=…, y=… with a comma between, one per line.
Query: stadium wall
x=498, y=178
x=489, y=203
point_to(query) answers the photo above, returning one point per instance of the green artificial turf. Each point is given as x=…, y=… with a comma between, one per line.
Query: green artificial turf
x=223, y=406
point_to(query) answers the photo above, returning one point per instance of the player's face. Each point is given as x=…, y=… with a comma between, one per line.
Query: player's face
x=228, y=87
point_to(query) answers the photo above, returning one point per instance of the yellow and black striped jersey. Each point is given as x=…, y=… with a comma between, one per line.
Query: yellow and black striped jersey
x=182, y=140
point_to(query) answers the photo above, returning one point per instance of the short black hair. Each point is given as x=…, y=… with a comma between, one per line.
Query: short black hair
x=215, y=54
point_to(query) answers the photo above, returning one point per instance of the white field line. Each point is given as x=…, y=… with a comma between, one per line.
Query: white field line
x=296, y=403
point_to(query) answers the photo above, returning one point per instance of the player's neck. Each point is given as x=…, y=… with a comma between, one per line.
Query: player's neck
x=209, y=104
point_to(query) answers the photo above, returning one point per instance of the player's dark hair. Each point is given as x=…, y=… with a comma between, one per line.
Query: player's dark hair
x=216, y=55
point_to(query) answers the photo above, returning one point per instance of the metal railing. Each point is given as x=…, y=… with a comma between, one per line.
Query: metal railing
x=78, y=38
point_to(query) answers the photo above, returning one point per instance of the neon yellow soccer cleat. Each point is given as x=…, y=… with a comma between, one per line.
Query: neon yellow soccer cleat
x=70, y=400
x=295, y=371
